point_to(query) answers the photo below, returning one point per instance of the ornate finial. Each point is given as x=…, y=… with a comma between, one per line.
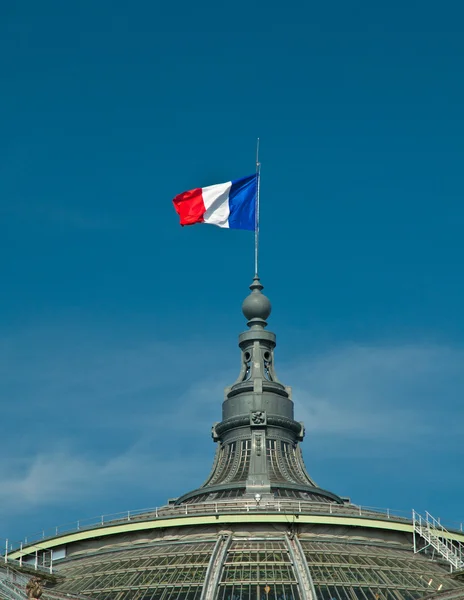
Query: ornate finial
x=258, y=436
x=256, y=307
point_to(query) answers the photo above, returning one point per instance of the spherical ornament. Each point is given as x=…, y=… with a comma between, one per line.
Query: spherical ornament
x=256, y=306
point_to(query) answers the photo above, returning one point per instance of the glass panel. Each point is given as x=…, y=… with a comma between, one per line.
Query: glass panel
x=244, y=464
x=255, y=569
x=157, y=572
x=258, y=570
x=275, y=474
x=370, y=572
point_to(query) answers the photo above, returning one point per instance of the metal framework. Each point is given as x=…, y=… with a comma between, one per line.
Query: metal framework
x=436, y=536
x=258, y=437
x=241, y=567
x=345, y=571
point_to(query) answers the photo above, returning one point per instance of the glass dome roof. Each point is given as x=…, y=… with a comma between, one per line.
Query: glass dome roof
x=255, y=568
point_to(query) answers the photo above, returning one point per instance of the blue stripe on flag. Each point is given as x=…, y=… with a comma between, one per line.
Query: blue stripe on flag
x=242, y=203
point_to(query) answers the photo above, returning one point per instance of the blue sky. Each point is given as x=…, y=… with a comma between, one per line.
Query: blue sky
x=118, y=328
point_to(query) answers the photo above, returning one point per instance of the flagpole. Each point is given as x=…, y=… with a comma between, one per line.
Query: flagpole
x=258, y=181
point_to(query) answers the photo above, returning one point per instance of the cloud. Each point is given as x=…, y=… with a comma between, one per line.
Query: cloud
x=56, y=477
x=393, y=391
x=65, y=368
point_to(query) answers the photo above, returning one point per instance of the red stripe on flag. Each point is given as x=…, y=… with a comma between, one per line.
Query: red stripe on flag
x=190, y=207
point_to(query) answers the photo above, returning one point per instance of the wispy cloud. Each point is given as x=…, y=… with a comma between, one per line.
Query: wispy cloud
x=56, y=477
x=379, y=391
x=383, y=423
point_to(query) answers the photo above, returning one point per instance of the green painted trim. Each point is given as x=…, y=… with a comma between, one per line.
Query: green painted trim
x=186, y=521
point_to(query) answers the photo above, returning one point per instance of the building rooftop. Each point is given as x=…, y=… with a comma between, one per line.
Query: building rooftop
x=259, y=528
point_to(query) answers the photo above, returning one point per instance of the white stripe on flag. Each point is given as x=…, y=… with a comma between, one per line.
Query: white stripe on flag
x=216, y=201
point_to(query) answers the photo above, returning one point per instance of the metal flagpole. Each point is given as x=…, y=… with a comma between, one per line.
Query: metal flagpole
x=258, y=181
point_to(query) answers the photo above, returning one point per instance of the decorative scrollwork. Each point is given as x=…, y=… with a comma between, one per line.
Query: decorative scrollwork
x=34, y=588
x=267, y=362
x=258, y=417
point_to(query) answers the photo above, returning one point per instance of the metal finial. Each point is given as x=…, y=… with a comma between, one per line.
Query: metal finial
x=256, y=307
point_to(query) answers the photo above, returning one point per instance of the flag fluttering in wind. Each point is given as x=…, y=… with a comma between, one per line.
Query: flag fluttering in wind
x=231, y=205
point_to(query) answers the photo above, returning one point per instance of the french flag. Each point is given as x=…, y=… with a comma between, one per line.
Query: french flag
x=231, y=204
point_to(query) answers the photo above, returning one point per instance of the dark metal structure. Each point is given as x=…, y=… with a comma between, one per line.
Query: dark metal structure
x=258, y=451
x=259, y=528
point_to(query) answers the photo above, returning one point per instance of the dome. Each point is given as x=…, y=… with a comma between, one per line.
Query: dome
x=264, y=553
x=258, y=528
x=245, y=562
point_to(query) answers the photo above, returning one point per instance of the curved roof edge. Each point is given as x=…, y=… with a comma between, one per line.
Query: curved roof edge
x=365, y=521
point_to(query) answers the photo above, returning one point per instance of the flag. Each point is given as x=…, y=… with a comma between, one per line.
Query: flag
x=231, y=204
